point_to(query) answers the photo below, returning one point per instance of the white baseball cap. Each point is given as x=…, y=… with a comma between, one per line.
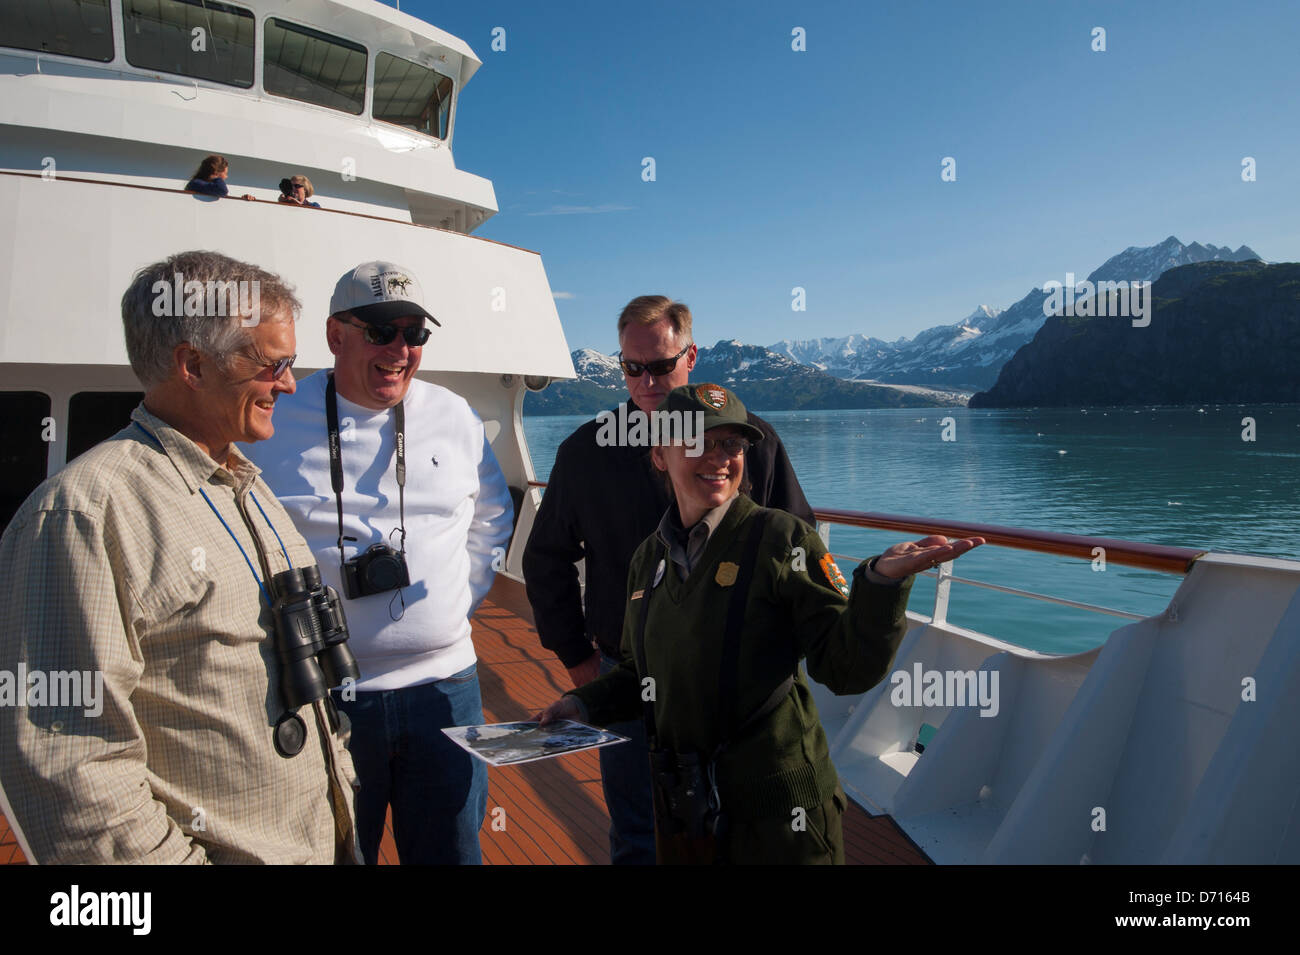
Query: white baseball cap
x=378, y=293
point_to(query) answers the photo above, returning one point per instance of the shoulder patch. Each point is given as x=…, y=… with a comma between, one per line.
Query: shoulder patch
x=833, y=574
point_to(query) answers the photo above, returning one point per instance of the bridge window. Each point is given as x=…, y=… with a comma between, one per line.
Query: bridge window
x=25, y=430
x=305, y=64
x=411, y=95
x=96, y=415
x=201, y=38
x=77, y=28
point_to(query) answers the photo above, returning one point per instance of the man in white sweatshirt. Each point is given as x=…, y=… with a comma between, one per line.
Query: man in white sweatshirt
x=405, y=508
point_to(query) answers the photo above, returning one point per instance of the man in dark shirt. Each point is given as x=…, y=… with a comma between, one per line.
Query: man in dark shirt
x=602, y=500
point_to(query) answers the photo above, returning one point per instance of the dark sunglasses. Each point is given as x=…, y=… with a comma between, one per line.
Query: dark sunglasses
x=415, y=335
x=664, y=366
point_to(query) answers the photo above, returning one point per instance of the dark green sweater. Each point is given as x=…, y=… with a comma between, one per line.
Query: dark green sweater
x=794, y=611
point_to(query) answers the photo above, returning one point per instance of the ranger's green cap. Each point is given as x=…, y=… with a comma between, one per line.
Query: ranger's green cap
x=719, y=405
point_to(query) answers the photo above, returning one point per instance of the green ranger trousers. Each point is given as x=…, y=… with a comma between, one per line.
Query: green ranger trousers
x=814, y=836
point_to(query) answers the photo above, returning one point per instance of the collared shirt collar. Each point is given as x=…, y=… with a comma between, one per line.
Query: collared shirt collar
x=686, y=546
x=195, y=467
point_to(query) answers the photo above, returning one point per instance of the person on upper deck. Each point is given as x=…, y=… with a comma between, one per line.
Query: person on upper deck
x=602, y=500
x=136, y=591
x=724, y=600
x=297, y=190
x=210, y=178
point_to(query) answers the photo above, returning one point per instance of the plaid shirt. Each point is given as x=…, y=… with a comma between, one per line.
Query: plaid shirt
x=118, y=568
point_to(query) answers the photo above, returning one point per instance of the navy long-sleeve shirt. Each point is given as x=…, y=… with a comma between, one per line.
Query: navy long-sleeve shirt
x=209, y=187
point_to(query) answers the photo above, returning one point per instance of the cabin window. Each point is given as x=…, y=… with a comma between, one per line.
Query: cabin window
x=79, y=28
x=411, y=95
x=204, y=39
x=25, y=430
x=96, y=415
x=305, y=64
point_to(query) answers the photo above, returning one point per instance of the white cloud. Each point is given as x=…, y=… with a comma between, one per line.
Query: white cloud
x=562, y=295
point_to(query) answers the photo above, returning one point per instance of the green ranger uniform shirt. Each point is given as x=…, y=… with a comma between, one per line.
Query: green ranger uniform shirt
x=799, y=607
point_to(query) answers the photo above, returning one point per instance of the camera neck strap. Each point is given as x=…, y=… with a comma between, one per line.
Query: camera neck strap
x=336, y=461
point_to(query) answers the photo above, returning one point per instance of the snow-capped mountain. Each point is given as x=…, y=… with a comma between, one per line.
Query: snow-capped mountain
x=764, y=379
x=841, y=352
x=730, y=362
x=956, y=355
x=965, y=356
x=598, y=368
x=1149, y=263
x=970, y=353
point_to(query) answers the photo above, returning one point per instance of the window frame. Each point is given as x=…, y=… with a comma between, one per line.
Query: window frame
x=451, y=97
x=252, y=14
x=367, y=75
x=113, y=50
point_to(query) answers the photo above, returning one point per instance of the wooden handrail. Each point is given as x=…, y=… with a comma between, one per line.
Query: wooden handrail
x=1171, y=560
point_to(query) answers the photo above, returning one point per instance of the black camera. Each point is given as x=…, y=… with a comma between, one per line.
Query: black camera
x=311, y=634
x=376, y=571
x=286, y=188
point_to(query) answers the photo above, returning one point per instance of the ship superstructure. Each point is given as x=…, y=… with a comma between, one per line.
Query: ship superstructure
x=107, y=108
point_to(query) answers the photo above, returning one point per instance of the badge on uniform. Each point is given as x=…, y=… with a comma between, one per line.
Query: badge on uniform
x=727, y=572
x=833, y=574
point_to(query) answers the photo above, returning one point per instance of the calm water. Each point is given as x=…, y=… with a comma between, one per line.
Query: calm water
x=1166, y=476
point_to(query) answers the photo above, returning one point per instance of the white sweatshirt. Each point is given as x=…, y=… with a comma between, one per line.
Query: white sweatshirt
x=458, y=510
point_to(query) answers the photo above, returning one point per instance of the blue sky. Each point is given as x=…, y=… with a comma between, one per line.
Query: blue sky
x=821, y=169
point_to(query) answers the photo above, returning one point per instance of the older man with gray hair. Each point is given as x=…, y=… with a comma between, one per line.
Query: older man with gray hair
x=158, y=568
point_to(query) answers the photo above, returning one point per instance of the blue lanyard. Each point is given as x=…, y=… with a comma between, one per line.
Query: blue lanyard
x=241, y=546
x=227, y=526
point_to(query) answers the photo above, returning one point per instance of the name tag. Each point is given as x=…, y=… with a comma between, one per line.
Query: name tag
x=637, y=594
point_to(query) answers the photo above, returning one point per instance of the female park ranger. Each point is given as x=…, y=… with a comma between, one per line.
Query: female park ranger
x=725, y=599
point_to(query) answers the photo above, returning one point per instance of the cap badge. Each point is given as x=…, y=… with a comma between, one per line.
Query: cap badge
x=397, y=284
x=715, y=396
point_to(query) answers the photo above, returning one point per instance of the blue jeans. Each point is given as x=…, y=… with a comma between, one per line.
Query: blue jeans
x=625, y=775
x=437, y=790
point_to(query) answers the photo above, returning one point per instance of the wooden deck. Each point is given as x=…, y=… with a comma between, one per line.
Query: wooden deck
x=553, y=811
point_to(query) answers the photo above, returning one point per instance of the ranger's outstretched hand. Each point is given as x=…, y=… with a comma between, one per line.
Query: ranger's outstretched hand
x=912, y=557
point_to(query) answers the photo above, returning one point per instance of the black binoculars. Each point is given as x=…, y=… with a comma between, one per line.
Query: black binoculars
x=311, y=634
